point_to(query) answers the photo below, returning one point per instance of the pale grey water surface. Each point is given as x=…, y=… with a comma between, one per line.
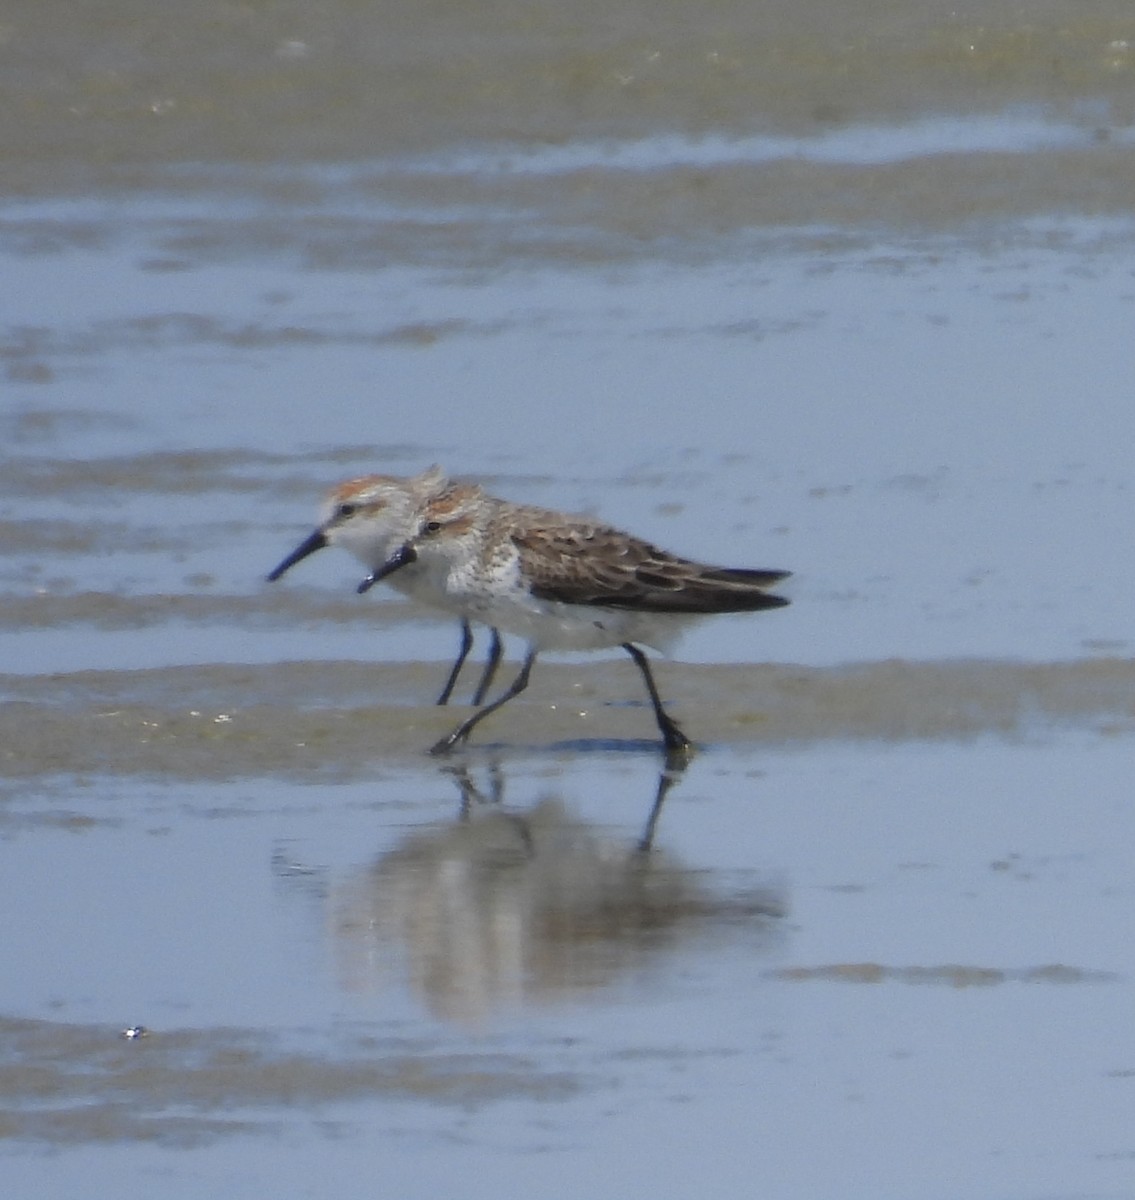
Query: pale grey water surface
x=845, y=289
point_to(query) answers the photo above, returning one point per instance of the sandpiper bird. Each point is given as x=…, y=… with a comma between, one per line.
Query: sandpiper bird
x=561, y=582
x=399, y=500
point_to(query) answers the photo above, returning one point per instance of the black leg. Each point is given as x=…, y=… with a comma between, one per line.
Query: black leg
x=462, y=655
x=491, y=664
x=672, y=736
x=466, y=727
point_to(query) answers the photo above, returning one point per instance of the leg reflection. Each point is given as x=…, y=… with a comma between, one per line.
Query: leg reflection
x=672, y=770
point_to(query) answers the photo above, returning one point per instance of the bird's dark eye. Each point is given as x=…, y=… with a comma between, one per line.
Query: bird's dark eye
x=432, y=526
x=346, y=510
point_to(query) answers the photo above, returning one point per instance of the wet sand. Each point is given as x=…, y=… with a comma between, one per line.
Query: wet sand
x=319, y=718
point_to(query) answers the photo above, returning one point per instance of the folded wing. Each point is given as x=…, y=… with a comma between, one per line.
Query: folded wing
x=582, y=563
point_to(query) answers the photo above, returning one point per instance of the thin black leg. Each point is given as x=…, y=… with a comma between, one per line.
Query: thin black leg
x=496, y=648
x=466, y=727
x=673, y=737
x=462, y=655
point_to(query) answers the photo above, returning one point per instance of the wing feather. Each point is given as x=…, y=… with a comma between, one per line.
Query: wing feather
x=582, y=563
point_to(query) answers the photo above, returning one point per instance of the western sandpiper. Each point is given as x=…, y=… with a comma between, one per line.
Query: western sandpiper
x=390, y=505
x=561, y=582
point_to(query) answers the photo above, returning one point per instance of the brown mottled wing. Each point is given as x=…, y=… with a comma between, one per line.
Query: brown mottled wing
x=580, y=563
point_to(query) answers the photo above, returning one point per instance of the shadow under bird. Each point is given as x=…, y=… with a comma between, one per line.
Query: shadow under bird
x=561, y=582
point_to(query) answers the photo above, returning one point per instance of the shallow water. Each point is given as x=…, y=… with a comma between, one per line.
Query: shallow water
x=352, y=977
x=843, y=292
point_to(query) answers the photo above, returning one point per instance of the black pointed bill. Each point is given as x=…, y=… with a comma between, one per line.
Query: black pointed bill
x=400, y=558
x=316, y=542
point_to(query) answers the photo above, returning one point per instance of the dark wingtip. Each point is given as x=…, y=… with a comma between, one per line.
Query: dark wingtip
x=749, y=602
x=754, y=576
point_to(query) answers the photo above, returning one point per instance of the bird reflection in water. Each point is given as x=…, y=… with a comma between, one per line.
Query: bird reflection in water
x=501, y=908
